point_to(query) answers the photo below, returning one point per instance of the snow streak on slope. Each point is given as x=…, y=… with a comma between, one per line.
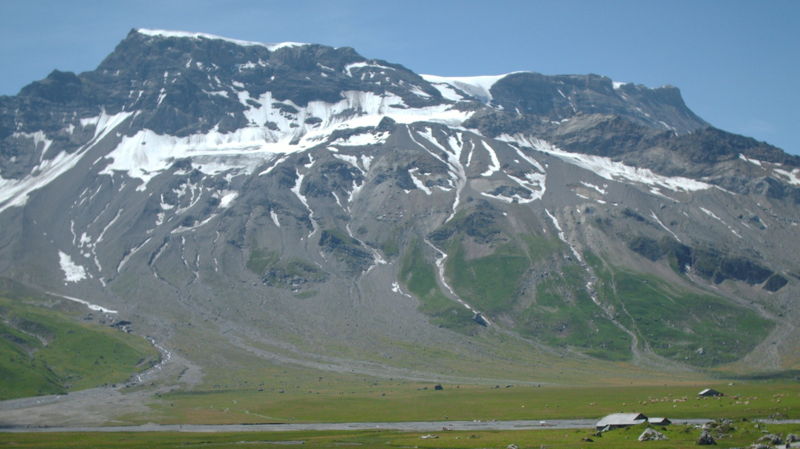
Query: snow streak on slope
x=15, y=192
x=91, y=306
x=494, y=167
x=714, y=216
x=655, y=217
x=417, y=183
x=442, y=256
x=274, y=217
x=458, y=175
x=563, y=236
x=608, y=169
x=296, y=190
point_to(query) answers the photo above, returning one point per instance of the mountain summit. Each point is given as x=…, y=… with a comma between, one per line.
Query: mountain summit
x=302, y=204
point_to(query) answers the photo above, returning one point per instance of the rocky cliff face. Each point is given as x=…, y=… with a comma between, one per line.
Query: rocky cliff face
x=307, y=198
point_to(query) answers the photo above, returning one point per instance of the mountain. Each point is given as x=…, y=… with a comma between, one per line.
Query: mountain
x=244, y=203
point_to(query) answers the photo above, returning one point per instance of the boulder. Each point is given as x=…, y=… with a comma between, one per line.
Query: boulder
x=651, y=435
x=771, y=439
x=706, y=439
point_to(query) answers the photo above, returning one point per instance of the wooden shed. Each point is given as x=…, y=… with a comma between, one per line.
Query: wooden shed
x=658, y=421
x=709, y=392
x=617, y=420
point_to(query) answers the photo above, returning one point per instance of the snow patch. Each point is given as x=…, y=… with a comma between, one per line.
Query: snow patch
x=711, y=214
x=72, y=271
x=417, y=183
x=792, y=177
x=714, y=216
x=15, y=192
x=655, y=217
x=274, y=217
x=366, y=138
x=91, y=306
x=747, y=159
x=563, y=236
x=40, y=141
x=352, y=160
x=274, y=127
x=458, y=175
x=495, y=163
x=296, y=190
x=190, y=35
x=608, y=169
x=227, y=198
x=359, y=65
x=601, y=191
x=476, y=86
x=396, y=289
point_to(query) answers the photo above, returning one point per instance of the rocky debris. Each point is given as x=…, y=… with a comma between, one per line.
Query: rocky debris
x=293, y=275
x=792, y=438
x=481, y=224
x=650, y=434
x=512, y=446
x=346, y=249
x=480, y=319
x=775, y=283
x=429, y=436
x=706, y=439
x=771, y=439
x=719, y=428
x=710, y=263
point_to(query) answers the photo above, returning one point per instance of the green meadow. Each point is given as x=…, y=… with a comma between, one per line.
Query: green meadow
x=742, y=434
x=44, y=350
x=380, y=401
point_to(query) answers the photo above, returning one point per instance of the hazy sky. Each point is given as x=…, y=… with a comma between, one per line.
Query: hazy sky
x=737, y=63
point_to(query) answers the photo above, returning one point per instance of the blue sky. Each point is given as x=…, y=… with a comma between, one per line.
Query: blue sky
x=737, y=63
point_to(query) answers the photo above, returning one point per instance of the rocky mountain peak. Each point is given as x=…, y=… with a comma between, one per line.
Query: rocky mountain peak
x=285, y=188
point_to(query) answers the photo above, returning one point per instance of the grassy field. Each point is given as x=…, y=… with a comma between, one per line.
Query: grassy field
x=679, y=436
x=565, y=315
x=489, y=283
x=695, y=328
x=46, y=351
x=420, y=402
x=420, y=279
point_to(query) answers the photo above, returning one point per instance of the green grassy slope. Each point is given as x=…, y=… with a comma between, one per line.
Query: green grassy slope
x=696, y=328
x=565, y=315
x=532, y=284
x=419, y=277
x=43, y=351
